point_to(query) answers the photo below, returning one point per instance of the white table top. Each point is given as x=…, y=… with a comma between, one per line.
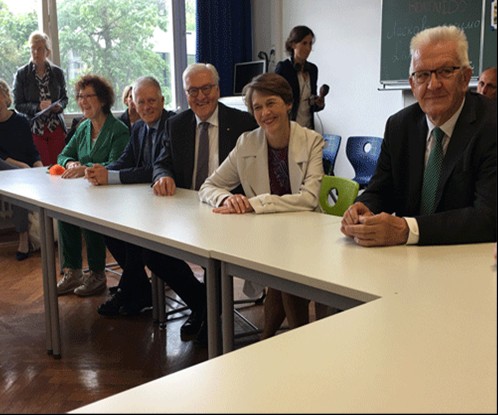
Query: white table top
x=415, y=352
x=130, y=208
x=426, y=344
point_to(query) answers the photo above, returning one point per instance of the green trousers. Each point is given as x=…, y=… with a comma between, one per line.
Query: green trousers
x=72, y=247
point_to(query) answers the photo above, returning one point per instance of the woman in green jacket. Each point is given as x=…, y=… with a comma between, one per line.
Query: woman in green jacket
x=100, y=138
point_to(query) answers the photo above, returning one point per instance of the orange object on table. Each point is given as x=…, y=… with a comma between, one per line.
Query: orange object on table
x=56, y=170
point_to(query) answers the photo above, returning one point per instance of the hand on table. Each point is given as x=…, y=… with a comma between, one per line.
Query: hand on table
x=235, y=204
x=164, y=186
x=367, y=229
x=74, y=169
x=97, y=175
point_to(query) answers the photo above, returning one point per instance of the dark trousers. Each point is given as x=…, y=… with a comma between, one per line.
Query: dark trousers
x=19, y=214
x=179, y=277
x=134, y=282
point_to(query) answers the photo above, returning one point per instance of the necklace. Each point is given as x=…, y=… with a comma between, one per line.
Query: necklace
x=95, y=132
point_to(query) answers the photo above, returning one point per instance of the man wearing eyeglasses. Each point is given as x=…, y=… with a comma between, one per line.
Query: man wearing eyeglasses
x=196, y=142
x=435, y=181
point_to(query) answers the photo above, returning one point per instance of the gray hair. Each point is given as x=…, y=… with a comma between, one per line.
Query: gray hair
x=442, y=34
x=146, y=80
x=200, y=67
x=38, y=36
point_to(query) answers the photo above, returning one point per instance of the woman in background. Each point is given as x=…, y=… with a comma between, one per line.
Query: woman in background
x=302, y=76
x=130, y=115
x=100, y=138
x=36, y=86
x=283, y=161
x=17, y=151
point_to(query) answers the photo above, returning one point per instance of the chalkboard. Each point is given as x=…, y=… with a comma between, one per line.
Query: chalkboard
x=402, y=19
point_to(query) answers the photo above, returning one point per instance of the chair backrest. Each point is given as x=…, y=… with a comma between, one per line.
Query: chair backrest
x=341, y=190
x=330, y=151
x=363, y=153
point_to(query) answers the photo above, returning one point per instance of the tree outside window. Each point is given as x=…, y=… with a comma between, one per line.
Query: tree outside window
x=118, y=39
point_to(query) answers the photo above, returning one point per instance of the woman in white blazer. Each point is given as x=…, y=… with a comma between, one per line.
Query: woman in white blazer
x=280, y=168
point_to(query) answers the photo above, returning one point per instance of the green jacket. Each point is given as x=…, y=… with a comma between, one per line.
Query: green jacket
x=109, y=145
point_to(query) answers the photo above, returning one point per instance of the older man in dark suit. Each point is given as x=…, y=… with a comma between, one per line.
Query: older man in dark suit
x=135, y=165
x=437, y=168
x=185, y=162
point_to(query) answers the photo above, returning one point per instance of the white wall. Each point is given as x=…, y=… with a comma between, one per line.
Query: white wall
x=347, y=53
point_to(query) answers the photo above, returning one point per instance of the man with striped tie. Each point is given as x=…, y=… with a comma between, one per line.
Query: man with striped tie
x=196, y=142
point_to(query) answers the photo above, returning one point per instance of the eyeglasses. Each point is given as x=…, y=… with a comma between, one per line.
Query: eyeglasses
x=206, y=90
x=85, y=96
x=445, y=72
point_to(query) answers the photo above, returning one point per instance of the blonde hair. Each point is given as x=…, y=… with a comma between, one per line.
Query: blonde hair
x=5, y=90
x=126, y=92
x=38, y=36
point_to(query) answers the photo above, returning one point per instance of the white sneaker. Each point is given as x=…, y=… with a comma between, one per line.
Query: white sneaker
x=93, y=283
x=70, y=280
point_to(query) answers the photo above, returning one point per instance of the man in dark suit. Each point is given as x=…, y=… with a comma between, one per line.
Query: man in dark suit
x=177, y=165
x=133, y=292
x=462, y=126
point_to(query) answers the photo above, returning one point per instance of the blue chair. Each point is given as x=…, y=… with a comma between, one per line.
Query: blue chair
x=330, y=150
x=363, y=153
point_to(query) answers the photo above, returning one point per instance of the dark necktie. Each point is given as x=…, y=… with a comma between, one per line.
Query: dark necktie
x=202, y=156
x=149, y=145
x=432, y=173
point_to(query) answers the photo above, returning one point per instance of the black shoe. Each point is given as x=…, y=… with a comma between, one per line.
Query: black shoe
x=113, y=290
x=192, y=326
x=21, y=256
x=112, y=306
x=134, y=308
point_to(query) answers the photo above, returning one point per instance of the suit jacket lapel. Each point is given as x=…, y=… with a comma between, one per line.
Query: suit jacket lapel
x=462, y=136
x=417, y=143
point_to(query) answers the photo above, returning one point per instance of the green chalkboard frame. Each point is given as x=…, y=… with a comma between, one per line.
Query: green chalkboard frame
x=401, y=19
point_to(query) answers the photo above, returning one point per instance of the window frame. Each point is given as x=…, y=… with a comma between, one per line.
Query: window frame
x=47, y=22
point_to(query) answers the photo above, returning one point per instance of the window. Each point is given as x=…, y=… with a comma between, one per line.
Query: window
x=118, y=39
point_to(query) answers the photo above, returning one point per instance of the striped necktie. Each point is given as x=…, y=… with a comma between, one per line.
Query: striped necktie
x=202, y=156
x=432, y=173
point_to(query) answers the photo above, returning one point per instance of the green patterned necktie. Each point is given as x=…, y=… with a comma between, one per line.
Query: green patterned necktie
x=432, y=172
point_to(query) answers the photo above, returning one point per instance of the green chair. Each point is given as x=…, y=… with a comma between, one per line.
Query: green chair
x=341, y=190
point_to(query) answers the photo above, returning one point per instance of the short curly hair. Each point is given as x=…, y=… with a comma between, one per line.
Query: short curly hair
x=102, y=87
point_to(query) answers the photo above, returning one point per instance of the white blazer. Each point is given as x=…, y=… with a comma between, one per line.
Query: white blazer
x=247, y=164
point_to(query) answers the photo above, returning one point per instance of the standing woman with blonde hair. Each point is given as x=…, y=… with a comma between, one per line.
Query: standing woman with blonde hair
x=37, y=85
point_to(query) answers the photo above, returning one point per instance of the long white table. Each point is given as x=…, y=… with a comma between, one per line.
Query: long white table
x=419, y=332
x=180, y=226
x=177, y=226
x=429, y=347
x=307, y=255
